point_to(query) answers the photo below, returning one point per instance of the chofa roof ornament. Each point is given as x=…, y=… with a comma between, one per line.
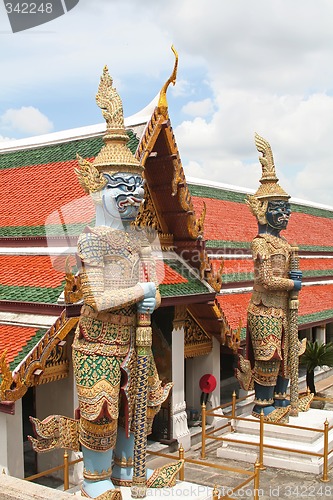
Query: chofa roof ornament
x=114, y=156
x=163, y=103
x=269, y=188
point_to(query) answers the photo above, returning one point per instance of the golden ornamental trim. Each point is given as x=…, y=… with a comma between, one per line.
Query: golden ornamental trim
x=214, y=278
x=90, y=179
x=15, y=385
x=232, y=337
x=193, y=351
x=73, y=286
x=180, y=316
x=53, y=372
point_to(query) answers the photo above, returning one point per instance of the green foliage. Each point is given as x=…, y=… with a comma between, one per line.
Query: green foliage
x=317, y=354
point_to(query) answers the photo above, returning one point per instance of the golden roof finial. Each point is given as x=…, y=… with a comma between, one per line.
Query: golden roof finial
x=163, y=103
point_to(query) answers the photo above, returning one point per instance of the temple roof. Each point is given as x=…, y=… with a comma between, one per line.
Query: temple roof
x=310, y=225
x=201, y=226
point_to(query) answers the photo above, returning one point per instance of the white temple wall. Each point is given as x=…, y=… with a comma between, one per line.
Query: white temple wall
x=11, y=448
x=197, y=367
x=55, y=398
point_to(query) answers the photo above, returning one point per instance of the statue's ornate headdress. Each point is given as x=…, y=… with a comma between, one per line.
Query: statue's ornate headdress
x=269, y=188
x=114, y=156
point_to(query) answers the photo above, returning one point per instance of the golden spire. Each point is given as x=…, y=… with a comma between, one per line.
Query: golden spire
x=109, y=101
x=163, y=103
x=269, y=188
x=115, y=156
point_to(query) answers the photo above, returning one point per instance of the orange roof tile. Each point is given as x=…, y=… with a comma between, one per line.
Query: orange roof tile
x=314, y=300
x=171, y=277
x=234, y=307
x=49, y=188
x=233, y=265
x=31, y=271
x=233, y=221
x=14, y=339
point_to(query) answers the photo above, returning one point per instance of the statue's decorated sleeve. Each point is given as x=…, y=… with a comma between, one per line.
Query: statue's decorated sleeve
x=263, y=271
x=95, y=292
x=156, y=267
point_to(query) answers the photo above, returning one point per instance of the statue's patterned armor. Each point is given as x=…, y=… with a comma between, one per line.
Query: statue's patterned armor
x=268, y=308
x=104, y=356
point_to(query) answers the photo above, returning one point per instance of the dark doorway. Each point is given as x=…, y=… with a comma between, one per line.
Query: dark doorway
x=28, y=409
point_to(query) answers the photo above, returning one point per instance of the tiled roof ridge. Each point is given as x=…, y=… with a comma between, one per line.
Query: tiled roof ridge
x=87, y=131
x=51, y=154
x=226, y=192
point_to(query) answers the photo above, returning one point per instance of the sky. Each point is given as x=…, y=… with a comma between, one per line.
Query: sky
x=262, y=66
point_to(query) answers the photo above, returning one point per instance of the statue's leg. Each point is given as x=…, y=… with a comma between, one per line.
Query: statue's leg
x=263, y=399
x=97, y=441
x=280, y=396
x=265, y=375
x=122, y=473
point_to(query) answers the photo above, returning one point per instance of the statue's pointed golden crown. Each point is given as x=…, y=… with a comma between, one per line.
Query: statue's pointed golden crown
x=114, y=156
x=269, y=188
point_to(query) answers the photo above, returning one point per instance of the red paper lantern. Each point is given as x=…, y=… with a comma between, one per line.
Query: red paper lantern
x=207, y=383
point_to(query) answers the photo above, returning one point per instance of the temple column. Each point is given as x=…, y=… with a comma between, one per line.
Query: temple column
x=11, y=448
x=197, y=367
x=329, y=332
x=180, y=429
x=320, y=334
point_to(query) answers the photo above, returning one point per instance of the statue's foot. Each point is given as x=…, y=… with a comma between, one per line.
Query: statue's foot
x=107, y=495
x=304, y=402
x=273, y=414
x=100, y=490
x=163, y=477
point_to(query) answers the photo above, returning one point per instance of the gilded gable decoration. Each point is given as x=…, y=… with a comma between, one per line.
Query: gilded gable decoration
x=147, y=216
x=197, y=341
x=37, y=368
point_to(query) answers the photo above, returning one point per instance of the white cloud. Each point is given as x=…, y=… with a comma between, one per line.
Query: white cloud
x=5, y=139
x=199, y=108
x=243, y=67
x=28, y=120
x=299, y=131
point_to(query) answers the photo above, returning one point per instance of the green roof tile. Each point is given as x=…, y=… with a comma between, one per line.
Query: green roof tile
x=28, y=347
x=193, y=285
x=31, y=294
x=53, y=153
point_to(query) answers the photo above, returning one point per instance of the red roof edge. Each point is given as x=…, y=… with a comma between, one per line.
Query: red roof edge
x=7, y=407
x=31, y=307
x=39, y=241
